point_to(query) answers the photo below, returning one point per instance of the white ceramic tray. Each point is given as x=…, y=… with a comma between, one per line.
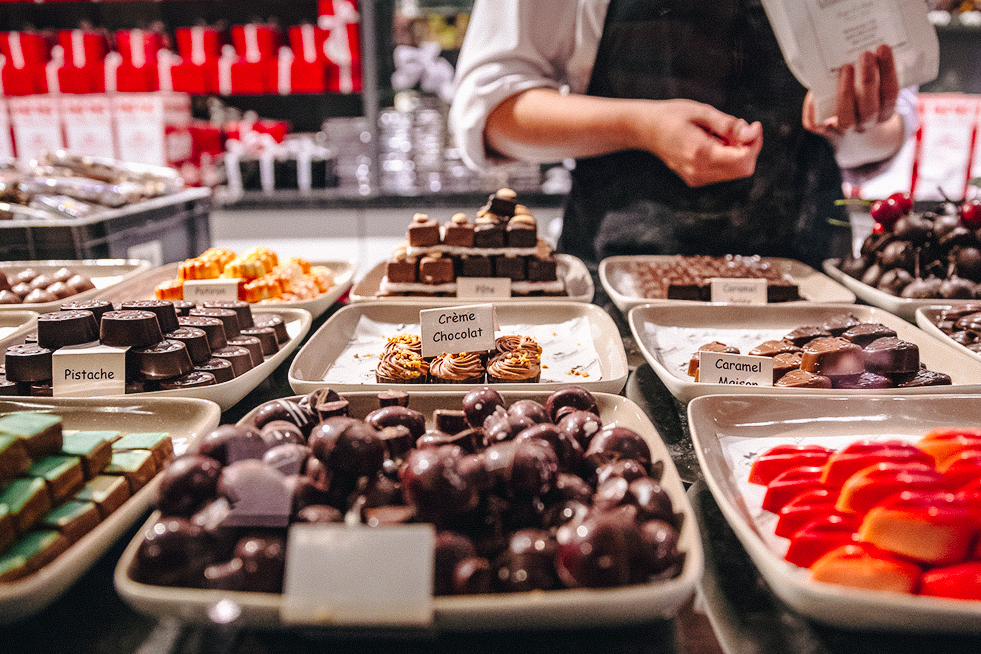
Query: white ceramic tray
x=926, y=319
x=717, y=421
x=537, y=610
x=903, y=307
x=578, y=285
x=227, y=394
x=17, y=323
x=617, y=278
x=324, y=347
x=183, y=419
x=668, y=334
x=142, y=287
x=104, y=273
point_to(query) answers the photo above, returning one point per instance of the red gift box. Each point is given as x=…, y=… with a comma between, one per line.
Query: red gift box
x=307, y=42
x=197, y=79
x=198, y=45
x=277, y=129
x=83, y=47
x=137, y=79
x=30, y=80
x=139, y=47
x=24, y=49
x=297, y=76
x=90, y=78
x=237, y=76
x=205, y=139
x=342, y=48
x=255, y=43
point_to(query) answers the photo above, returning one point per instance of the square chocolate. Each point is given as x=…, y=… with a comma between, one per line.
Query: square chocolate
x=402, y=271
x=423, y=232
x=458, y=232
x=522, y=232
x=542, y=270
x=512, y=267
x=436, y=270
x=475, y=266
x=502, y=203
x=488, y=233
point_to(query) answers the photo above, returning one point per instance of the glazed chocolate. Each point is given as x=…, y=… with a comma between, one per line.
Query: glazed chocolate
x=164, y=311
x=803, y=379
x=802, y=335
x=923, y=378
x=27, y=363
x=163, y=360
x=866, y=332
x=267, y=339
x=193, y=379
x=228, y=317
x=130, y=329
x=773, y=348
x=250, y=343
x=213, y=328
x=839, y=324
x=832, y=357
x=865, y=380
x=239, y=357
x=242, y=309
x=97, y=307
x=220, y=368
x=195, y=340
x=891, y=356
x=63, y=328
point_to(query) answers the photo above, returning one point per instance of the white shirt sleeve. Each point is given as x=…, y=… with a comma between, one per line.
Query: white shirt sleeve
x=515, y=45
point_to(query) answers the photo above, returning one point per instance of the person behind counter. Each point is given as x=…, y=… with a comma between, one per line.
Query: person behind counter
x=690, y=133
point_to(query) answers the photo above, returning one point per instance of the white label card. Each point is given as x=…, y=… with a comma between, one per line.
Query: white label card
x=457, y=329
x=88, y=370
x=483, y=288
x=738, y=290
x=736, y=369
x=211, y=290
x=343, y=575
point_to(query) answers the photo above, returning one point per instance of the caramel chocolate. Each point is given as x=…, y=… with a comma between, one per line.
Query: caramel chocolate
x=832, y=357
x=802, y=335
x=865, y=380
x=133, y=328
x=164, y=311
x=784, y=363
x=839, y=324
x=62, y=328
x=714, y=346
x=422, y=232
x=803, y=379
x=773, y=348
x=923, y=378
x=866, y=332
x=436, y=270
x=890, y=356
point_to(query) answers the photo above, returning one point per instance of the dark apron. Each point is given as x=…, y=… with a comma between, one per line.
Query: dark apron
x=722, y=53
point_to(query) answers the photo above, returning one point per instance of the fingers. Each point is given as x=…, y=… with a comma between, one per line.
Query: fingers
x=866, y=90
x=888, y=82
x=846, y=97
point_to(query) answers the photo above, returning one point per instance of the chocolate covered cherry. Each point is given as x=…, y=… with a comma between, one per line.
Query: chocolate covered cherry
x=525, y=469
x=599, y=551
x=567, y=448
x=660, y=541
x=174, y=552
x=391, y=416
x=528, y=563
x=449, y=549
x=186, y=484
x=288, y=410
x=229, y=443
x=278, y=432
x=613, y=443
x=576, y=397
x=480, y=403
x=348, y=446
x=433, y=486
x=263, y=559
x=645, y=495
x=528, y=412
x=581, y=425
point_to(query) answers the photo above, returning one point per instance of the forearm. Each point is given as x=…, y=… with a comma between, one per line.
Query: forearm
x=544, y=125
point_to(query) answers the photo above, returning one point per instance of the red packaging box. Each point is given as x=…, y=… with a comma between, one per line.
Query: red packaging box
x=90, y=78
x=83, y=47
x=342, y=47
x=23, y=81
x=139, y=47
x=307, y=42
x=197, y=79
x=24, y=49
x=295, y=75
x=254, y=42
x=198, y=45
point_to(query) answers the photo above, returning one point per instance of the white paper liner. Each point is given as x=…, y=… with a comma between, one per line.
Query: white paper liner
x=386, y=287
x=568, y=354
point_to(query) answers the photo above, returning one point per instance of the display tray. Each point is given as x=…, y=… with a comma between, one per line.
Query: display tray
x=104, y=273
x=534, y=610
x=668, y=334
x=620, y=283
x=927, y=319
x=16, y=323
x=227, y=394
x=903, y=307
x=572, y=271
x=312, y=366
x=142, y=287
x=725, y=427
x=184, y=419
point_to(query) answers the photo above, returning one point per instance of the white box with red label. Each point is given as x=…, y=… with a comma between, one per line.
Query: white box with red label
x=89, y=125
x=6, y=136
x=153, y=128
x=37, y=124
